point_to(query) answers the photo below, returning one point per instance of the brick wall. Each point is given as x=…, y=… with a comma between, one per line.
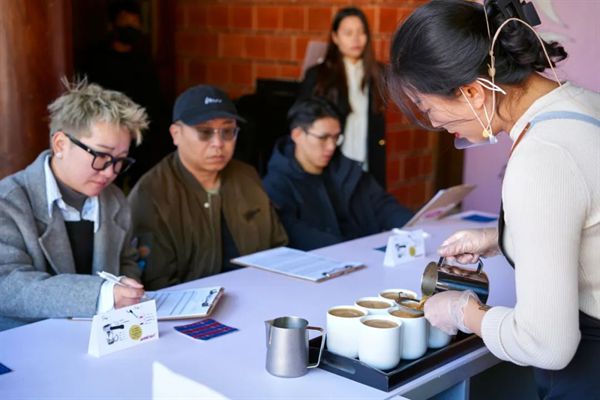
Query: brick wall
x=231, y=43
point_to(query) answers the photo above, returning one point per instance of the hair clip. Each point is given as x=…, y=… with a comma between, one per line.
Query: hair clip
x=523, y=10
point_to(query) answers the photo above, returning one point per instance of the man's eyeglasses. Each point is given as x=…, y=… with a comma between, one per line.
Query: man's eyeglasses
x=337, y=139
x=102, y=160
x=205, y=134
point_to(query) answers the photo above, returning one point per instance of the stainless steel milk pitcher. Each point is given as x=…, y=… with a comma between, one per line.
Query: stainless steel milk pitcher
x=287, y=346
x=443, y=276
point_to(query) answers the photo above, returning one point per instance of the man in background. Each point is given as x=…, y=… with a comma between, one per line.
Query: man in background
x=198, y=208
x=322, y=196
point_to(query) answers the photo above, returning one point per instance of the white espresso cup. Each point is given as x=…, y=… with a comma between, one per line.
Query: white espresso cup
x=414, y=331
x=392, y=294
x=374, y=305
x=437, y=337
x=380, y=341
x=343, y=328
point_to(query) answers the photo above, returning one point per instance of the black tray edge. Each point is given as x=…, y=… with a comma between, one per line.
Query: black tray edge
x=405, y=372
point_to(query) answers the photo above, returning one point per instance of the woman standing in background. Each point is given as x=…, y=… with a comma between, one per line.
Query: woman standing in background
x=352, y=79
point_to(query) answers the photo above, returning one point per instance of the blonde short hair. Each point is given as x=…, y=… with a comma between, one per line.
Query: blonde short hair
x=84, y=104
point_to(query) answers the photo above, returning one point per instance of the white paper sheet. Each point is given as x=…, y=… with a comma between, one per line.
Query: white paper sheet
x=298, y=263
x=189, y=303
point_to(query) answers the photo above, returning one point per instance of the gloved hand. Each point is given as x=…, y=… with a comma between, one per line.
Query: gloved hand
x=468, y=245
x=445, y=310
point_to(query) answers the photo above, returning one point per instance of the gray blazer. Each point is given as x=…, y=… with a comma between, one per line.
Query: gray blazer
x=37, y=270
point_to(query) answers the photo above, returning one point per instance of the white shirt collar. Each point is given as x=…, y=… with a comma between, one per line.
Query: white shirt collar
x=91, y=207
x=355, y=69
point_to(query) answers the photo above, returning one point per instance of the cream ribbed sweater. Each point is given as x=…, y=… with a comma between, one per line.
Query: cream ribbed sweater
x=551, y=195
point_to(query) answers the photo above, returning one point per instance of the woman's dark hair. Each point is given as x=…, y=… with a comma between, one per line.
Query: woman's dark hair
x=307, y=110
x=445, y=44
x=331, y=79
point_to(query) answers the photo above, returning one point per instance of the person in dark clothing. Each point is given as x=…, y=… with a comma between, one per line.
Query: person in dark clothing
x=123, y=63
x=322, y=196
x=352, y=79
x=198, y=208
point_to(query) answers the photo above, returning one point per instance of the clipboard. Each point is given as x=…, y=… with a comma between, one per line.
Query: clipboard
x=173, y=304
x=186, y=303
x=298, y=264
x=441, y=204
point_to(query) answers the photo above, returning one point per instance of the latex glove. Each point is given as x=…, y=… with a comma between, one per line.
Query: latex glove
x=467, y=246
x=445, y=310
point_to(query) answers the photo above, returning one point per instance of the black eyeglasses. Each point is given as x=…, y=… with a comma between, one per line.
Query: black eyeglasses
x=205, y=134
x=337, y=139
x=102, y=160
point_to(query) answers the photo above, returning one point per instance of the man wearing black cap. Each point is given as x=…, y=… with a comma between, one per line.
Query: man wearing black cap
x=198, y=208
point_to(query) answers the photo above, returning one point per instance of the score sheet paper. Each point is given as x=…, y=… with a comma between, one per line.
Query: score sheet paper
x=187, y=303
x=298, y=263
x=123, y=328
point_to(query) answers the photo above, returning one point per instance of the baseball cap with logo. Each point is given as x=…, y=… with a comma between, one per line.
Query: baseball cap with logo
x=202, y=103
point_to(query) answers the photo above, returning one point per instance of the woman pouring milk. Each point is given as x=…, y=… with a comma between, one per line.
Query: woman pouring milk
x=475, y=71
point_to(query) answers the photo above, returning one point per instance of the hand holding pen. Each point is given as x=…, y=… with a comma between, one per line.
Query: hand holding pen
x=126, y=292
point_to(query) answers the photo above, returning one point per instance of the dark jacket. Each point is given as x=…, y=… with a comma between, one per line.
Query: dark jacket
x=182, y=223
x=341, y=204
x=376, y=134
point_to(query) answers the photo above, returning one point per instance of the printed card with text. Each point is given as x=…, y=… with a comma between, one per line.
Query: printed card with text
x=404, y=246
x=123, y=328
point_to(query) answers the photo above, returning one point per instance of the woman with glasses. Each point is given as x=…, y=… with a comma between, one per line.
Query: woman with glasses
x=322, y=196
x=61, y=220
x=476, y=71
x=352, y=79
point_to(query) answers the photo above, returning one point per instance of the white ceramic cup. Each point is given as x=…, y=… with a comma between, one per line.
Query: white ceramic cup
x=374, y=310
x=414, y=334
x=343, y=330
x=392, y=294
x=380, y=347
x=437, y=338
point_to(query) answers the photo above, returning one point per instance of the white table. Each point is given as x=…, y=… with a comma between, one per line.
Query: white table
x=49, y=358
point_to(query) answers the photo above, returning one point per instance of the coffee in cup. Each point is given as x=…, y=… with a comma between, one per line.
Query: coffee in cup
x=404, y=313
x=414, y=331
x=413, y=303
x=374, y=305
x=380, y=343
x=343, y=325
x=380, y=323
x=397, y=294
x=346, y=312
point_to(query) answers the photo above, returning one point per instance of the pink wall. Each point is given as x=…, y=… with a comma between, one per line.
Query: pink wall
x=576, y=25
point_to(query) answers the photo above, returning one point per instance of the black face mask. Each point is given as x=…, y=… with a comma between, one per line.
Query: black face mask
x=128, y=34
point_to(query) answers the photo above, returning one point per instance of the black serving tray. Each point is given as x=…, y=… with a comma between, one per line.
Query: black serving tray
x=404, y=372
